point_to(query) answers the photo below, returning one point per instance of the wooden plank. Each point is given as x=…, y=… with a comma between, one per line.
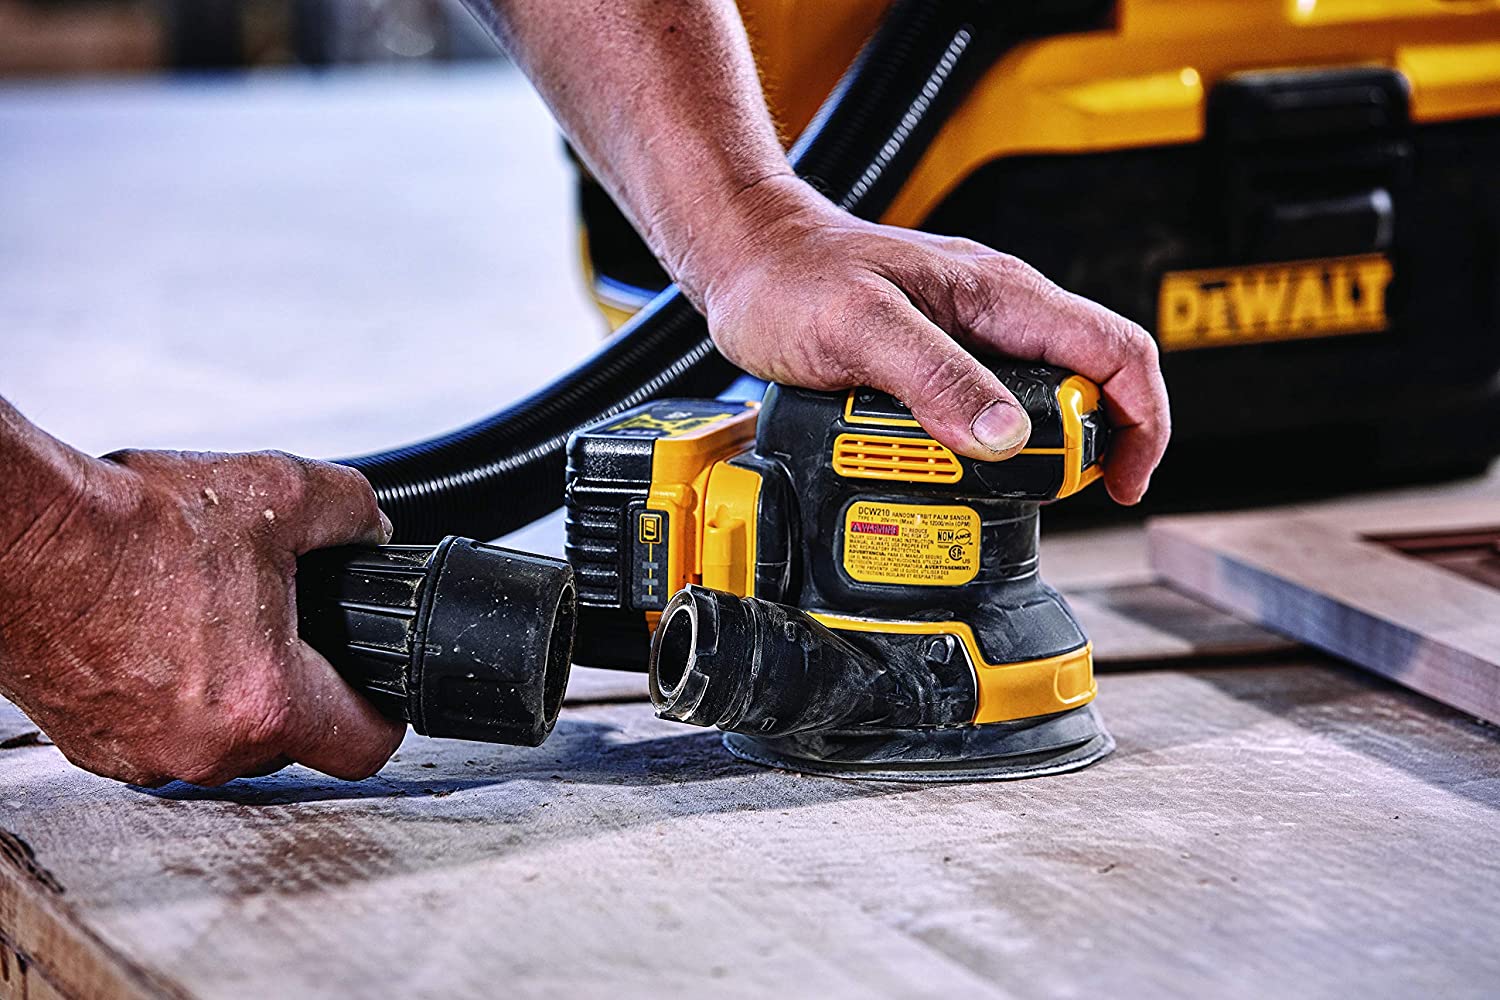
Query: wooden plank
x=1105, y=573
x=48, y=950
x=1323, y=578
x=1262, y=830
x=1149, y=623
x=1475, y=555
x=15, y=729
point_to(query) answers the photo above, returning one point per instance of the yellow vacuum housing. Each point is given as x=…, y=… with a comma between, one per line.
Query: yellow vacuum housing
x=1296, y=196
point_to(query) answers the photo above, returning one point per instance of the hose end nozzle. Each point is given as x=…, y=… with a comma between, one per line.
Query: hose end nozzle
x=752, y=666
x=463, y=640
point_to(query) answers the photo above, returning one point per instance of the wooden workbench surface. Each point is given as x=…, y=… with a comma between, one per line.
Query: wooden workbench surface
x=282, y=263
x=1286, y=830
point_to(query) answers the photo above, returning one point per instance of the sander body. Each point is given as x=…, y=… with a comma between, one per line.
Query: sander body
x=833, y=588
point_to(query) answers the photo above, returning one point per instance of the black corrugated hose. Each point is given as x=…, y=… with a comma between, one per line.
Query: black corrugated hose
x=506, y=470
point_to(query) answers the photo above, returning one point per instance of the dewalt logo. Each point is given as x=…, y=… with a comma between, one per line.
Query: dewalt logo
x=1262, y=302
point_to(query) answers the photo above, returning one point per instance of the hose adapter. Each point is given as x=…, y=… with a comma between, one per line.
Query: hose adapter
x=751, y=666
x=462, y=639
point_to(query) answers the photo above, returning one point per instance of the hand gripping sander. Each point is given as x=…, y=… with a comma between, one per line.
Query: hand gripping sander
x=834, y=589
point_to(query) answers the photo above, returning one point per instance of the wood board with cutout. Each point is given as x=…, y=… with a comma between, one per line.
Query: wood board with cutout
x=1410, y=590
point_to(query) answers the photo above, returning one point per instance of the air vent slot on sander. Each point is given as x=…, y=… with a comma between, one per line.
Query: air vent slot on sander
x=906, y=460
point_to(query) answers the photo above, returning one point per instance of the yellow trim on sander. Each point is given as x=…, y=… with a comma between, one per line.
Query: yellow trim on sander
x=682, y=467
x=895, y=459
x=731, y=513
x=1076, y=397
x=1006, y=691
x=851, y=418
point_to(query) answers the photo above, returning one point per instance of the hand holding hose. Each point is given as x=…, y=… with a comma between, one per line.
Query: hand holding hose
x=149, y=623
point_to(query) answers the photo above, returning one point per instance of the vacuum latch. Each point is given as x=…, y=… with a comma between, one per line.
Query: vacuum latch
x=1312, y=162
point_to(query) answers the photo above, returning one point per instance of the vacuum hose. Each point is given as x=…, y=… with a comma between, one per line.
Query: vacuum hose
x=500, y=473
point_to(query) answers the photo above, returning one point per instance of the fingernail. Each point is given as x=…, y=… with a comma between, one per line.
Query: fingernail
x=386, y=527
x=1001, y=426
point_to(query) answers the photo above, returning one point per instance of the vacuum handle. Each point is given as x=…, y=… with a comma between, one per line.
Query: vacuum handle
x=461, y=639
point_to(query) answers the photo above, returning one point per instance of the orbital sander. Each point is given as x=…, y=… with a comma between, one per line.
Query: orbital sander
x=834, y=589
x=815, y=575
x=1280, y=158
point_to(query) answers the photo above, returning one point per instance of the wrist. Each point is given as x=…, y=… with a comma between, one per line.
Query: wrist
x=41, y=478
x=742, y=230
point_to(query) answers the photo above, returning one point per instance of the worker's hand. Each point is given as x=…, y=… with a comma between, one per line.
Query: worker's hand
x=798, y=291
x=160, y=641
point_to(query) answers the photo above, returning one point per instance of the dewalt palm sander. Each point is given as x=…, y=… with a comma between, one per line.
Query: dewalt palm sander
x=814, y=575
x=834, y=589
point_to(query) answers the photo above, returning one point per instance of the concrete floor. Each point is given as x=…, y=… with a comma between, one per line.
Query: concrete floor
x=334, y=265
x=325, y=267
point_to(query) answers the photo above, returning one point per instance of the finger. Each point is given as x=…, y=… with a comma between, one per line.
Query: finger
x=335, y=506
x=961, y=403
x=1023, y=314
x=269, y=767
x=235, y=766
x=331, y=728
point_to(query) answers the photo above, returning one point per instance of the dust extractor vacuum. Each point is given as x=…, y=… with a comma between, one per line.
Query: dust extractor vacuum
x=1297, y=197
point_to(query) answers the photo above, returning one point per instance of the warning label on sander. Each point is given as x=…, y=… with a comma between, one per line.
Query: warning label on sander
x=917, y=544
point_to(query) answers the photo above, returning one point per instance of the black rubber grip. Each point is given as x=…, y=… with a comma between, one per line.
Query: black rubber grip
x=461, y=639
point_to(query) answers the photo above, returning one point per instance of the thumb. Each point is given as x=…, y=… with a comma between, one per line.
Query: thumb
x=957, y=400
x=333, y=729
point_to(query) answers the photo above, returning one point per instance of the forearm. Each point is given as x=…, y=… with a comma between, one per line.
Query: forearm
x=661, y=99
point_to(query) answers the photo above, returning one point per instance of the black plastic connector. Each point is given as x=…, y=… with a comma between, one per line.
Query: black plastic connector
x=462, y=639
x=751, y=666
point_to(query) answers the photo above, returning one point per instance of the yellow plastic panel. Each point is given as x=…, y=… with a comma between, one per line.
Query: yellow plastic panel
x=681, y=465
x=731, y=511
x=1138, y=81
x=1453, y=81
x=1316, y=12
x=896, y=459
x=1076, y=398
